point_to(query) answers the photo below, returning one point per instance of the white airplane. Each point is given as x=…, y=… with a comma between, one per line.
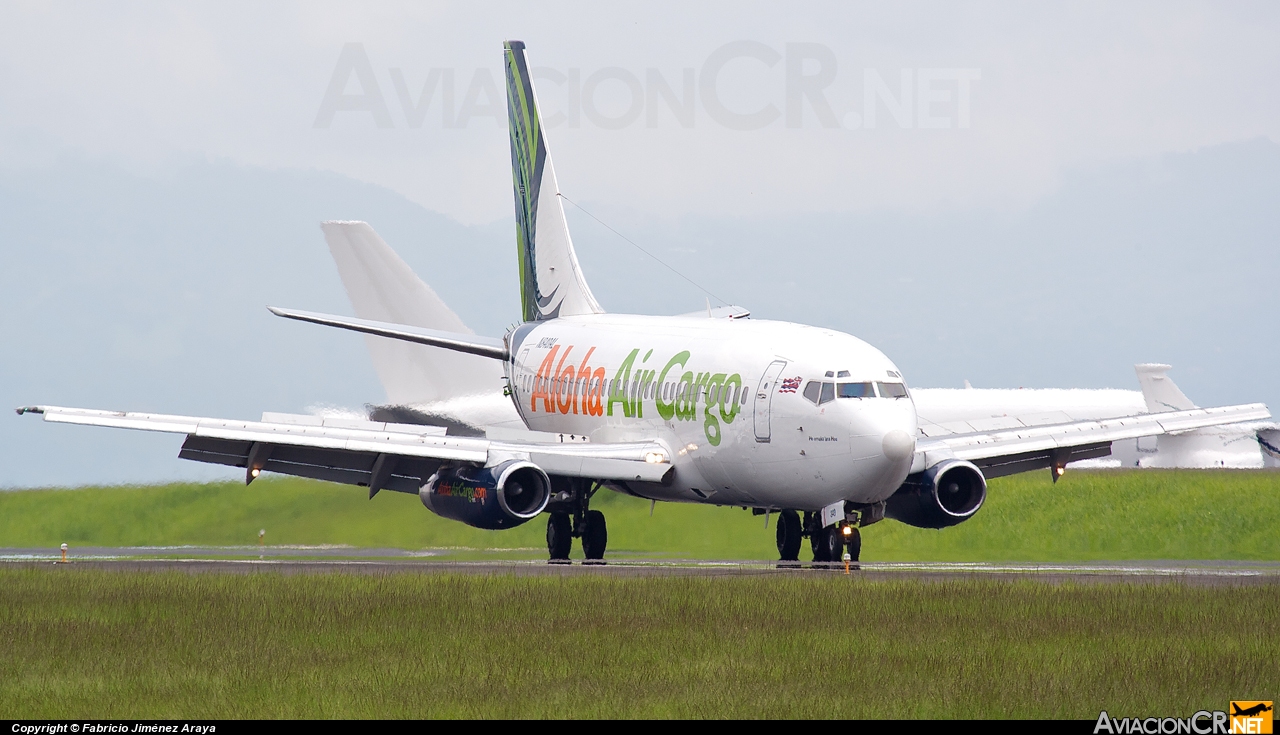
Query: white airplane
x=809, y=423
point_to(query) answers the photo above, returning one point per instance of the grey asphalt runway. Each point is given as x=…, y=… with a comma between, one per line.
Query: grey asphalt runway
x=339, y=559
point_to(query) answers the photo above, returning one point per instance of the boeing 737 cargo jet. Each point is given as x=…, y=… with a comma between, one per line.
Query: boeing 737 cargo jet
x=810, y=424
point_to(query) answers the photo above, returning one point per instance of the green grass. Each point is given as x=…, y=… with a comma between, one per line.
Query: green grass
x=1117, y=515
x=77, y=643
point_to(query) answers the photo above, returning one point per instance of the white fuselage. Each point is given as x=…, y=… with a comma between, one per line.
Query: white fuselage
x=726, y=397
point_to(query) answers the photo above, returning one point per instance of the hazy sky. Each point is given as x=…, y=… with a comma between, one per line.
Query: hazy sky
x=1061, y=85
x=1014, y=194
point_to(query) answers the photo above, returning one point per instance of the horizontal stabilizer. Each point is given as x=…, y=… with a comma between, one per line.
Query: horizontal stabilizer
x=468, y=343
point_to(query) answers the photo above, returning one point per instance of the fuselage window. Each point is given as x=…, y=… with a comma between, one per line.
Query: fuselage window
x=828, y=393
x=812, y=390
x=892, y=390
x=856, y=390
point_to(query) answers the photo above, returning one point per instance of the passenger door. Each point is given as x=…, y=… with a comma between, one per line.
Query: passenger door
x=764, y=398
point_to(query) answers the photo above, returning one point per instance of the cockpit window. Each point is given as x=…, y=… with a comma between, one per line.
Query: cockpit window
x=811, y=391
x=856, y=390
x=842, y=374
x=892, y=390
x=828, y=393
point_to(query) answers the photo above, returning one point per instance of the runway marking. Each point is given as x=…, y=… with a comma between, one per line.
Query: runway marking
x=337, y=557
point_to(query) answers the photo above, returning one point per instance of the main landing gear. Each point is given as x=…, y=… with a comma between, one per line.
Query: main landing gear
x=569, y=517
x=827, y=544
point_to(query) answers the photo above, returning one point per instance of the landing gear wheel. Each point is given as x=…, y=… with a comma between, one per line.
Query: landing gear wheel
x=827, y=544
x=594, y=536
x=854, y=544
x=559, y=536
x=788, y=536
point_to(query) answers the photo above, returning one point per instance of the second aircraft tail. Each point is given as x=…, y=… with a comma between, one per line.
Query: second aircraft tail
x=383, y=288
x=1158, y=389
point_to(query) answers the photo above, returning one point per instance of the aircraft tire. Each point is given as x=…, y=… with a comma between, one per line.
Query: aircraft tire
x=559, y=536
x=595, y=536
x=855, y=545
x=827, y=544
x=788, y=536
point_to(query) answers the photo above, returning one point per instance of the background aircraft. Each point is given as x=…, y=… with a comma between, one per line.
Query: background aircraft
x=1232, y=446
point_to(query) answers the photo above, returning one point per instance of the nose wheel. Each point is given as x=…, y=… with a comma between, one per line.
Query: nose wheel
x=828, y=544
x=853, y=543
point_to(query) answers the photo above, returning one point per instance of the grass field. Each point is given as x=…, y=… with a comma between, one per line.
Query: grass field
x=77, y=643
x=1087, y=516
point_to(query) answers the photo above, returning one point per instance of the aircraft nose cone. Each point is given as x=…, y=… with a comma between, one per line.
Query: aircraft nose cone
x=898, y=445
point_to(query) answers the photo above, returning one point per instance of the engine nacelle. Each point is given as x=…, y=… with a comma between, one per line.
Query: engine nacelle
x=947, y=493
x=488, y=497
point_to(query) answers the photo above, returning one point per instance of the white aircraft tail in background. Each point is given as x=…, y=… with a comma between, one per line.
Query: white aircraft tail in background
x=1159, y=391
x=423, y=384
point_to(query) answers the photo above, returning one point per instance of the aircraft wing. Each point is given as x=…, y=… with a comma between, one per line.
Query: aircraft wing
x=347, y=451
x=1010, y=451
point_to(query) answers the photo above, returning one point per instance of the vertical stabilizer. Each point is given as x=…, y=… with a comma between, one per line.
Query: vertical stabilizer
x=551, y=281
x=1159, y=391
x=383, y=288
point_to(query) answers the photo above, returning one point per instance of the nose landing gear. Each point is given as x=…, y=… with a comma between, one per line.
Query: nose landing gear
x=828, y=544
x=852, y=542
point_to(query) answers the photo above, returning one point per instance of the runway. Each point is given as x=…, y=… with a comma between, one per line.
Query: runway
x=345, y=559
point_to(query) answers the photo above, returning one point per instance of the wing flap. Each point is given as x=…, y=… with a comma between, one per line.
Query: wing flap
x=351, y=468
x=1013, y=464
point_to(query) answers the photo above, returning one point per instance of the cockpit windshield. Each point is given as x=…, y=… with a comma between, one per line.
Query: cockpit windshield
x=892, y=390
x=819, y=392
x=855, y=390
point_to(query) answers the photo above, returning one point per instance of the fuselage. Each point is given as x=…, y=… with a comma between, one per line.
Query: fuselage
x=752, y=412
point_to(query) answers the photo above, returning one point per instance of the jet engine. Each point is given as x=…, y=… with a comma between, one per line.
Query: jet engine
x=503, y=496
x=947, y=493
